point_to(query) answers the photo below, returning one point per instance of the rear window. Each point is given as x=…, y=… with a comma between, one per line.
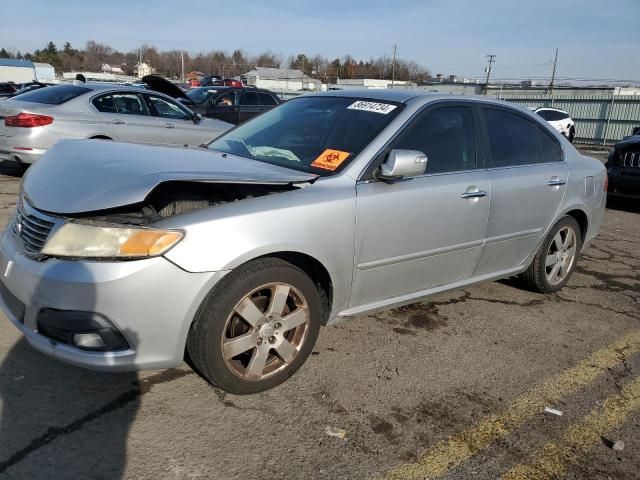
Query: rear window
x=55, y=95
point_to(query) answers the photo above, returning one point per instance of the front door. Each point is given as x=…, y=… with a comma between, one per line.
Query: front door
x=528, y=182
x=179, y=127
x=224, y=107
x=426, y=231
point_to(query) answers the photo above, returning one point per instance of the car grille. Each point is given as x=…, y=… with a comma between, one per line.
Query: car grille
x=631, y=159
x=32, y=227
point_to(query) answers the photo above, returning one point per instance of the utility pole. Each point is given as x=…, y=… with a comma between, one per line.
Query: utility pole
x=393, y=65
x=553, y=74
x=488, y=69
x=182, y=66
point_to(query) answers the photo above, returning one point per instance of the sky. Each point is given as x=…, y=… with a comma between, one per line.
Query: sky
x=597, y=39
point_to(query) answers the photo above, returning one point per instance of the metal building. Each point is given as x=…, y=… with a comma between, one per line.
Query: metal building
x=15, y=70
x=280, y=79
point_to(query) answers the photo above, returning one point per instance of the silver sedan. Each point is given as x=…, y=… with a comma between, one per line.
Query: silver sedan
x=327, y=207
x=32, y=122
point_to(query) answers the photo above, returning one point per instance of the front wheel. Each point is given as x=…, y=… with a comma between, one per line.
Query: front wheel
x=556, y=260
x=256, y=328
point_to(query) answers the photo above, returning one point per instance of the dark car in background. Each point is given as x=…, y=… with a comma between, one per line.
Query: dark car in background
x=7, y=89
x=623, y=167
x=233, y=105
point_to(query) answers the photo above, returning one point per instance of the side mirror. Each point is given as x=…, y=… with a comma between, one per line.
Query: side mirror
x=196, y=117
x=402, y=164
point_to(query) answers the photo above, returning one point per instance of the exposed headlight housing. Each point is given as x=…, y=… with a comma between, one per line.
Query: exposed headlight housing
x=78, y=240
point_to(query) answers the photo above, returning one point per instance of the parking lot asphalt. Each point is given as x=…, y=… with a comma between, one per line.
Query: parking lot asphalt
x=454, y=387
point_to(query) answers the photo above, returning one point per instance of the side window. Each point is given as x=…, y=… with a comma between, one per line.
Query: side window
x=266, y=99
x=446, y=135
x=105, y=104
x=562, y=116
x=129, y=104
x=249, y=98
x=544, y=114
x=167, y=109
x=513, y=139
x=549, y=148
x=225, y=100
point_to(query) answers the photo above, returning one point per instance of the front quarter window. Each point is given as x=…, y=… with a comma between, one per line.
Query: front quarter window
x=319, y=135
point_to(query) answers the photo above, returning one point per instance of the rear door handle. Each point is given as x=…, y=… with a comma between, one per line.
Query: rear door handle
x=556, y=182
x=169, y=125
x=476, y=194
x=117, y=121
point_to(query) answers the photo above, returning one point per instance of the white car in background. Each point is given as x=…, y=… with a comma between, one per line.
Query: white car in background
x=560, y=120
x=32, y=122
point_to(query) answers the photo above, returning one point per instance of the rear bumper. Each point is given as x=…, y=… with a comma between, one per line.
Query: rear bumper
x=20, y=155
x=150, y=302
x=624, y=186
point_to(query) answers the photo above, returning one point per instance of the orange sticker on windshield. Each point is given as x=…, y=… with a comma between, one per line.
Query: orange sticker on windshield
x=330, y=159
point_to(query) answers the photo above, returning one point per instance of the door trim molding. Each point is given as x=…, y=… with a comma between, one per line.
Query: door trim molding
x=419, y=255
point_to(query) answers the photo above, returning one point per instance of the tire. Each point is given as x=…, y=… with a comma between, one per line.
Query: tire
x=260, y=335
x=539, y=276
x=572, y=134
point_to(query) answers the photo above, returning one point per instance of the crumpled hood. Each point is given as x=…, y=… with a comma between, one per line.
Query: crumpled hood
x=77, y=176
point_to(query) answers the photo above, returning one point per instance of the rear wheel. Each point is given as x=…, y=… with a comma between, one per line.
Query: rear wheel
x=556, y=260
x=256, y=328
x=572, y=134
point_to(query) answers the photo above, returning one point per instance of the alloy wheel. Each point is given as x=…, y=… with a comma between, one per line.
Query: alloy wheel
x=561, y=255
x=265, y=331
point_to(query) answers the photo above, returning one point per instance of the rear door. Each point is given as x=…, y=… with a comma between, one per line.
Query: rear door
x=429, y=230
x=250, y=105
x=528, y=182
x=128, y=116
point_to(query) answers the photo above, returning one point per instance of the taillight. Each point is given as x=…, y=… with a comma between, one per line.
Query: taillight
x=28, y=120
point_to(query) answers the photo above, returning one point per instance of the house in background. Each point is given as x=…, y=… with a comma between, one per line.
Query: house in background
x=280, y=79
x=17, y=71
x=141, y=69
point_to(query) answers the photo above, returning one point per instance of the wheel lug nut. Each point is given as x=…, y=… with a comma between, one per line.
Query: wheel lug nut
x=272, y=339
x=277, y=325
x=259, y=340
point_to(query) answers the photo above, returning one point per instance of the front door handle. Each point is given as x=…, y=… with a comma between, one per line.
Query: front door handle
x=556, y=182
x=476, y=194
x=117, y=121
x=169, y=125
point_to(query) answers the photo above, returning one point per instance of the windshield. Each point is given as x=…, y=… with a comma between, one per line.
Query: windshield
x=319, y=135
x=55, y=95
x=199, y=95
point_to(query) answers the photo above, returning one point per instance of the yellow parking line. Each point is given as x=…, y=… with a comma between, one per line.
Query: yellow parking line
x=552, y=460
x=451, y=452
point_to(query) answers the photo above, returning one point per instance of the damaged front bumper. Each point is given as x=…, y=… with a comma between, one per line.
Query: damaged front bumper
x=142, y=309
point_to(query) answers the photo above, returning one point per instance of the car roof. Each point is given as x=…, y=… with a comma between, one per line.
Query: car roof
x=551, y=108
x=109, y=86
x=400, y=96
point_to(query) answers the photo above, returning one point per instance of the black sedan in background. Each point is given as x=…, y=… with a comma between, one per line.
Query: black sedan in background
x=623, y=167
x=233, y=105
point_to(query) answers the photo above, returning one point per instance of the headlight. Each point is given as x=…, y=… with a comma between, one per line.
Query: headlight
x=81, y=240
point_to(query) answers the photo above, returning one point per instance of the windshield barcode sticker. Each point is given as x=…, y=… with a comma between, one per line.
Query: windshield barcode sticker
x=375, y=107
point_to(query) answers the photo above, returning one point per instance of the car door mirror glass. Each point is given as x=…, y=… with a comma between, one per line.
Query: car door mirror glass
x=402, y=164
